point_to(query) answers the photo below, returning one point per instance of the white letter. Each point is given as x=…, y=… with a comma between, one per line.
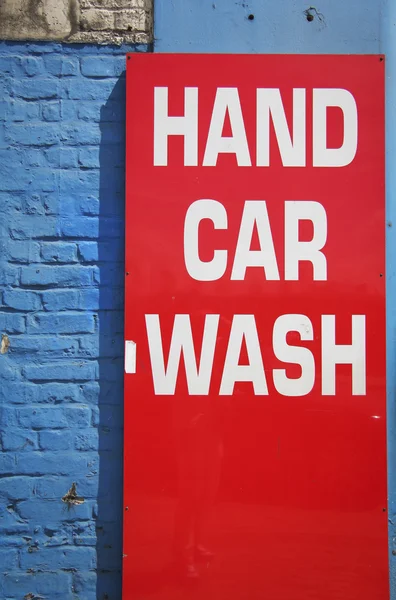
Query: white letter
x=269, y=102
x=243, y=326
x=296, y=251
x=227, y=99
x=164, y=125
x=334, y=157
x=333, y=355
x=198, y=380
x=255, y=212
x=293, y=354
x=196, y=268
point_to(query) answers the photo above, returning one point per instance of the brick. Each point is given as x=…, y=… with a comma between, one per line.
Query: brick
x=10, y=541
x=69, y=108
x=13, y=155
x=88, y=251
x=8, y=370
x=48, y=463
x=13, y=529
x=51, y=111
x=87, y=440
x=80, y=227
x=11, y=202
x=8, y=464
x=68, y=158
x=45, y=345
x=85, y=540
x=79, y=182
x=51, y=203
x=88, y=487
x=90, y=111
x=89, y=158
x=94, y=89
x=43, y=180
x=34, y=205
x=48, y=584
x=40, y=134
x=56, y=300
x=54, y=487
x=97, y=20
x=11, y=323
x=89, y=205
x=52, y=155
x=8, y=182
x=12, y=65
x=22, y=300
x=80, y=133
x=20, y=110
x=90, y=392
x=78, y=416
x=64, y=371
x=132, y=20
x=18, y=440
x=57, y=417
x=35, y=89
x=55, y=440
x=23, y=251
x=60, y=558
x=61, y=65
x=48, y=512
x=35, y=157
x=8, y=559
x=55, y=393
x=32, y=65
x=70, y=323
x=18, y=393
x=63, y=276
x=103, y=66
x=33, y=226
x=41, y=417
x=59, y=252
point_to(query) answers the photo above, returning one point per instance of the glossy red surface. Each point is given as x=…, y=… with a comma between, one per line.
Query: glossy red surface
x=289, y=493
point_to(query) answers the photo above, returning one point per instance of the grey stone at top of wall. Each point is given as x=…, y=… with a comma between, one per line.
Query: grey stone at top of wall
x=88, y=21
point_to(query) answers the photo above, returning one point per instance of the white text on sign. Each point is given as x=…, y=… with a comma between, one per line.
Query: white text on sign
x=269, y=107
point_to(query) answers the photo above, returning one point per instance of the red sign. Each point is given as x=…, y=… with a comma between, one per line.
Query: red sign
x=255, y=453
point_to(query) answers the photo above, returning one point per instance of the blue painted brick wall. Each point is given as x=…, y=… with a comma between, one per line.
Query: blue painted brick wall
x=62, y=115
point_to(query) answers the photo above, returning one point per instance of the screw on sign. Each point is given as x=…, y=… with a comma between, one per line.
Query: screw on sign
x=255, y=454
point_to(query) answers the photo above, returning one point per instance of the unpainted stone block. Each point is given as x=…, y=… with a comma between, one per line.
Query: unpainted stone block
x=94, y=19
x=47, y=19
x=131, y=20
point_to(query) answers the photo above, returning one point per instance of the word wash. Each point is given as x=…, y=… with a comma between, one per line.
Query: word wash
x=237, y=261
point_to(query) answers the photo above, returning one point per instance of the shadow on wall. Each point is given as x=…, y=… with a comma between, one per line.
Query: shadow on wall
x=111, y=342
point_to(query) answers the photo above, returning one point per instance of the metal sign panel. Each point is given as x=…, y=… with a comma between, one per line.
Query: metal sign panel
x=255, y=453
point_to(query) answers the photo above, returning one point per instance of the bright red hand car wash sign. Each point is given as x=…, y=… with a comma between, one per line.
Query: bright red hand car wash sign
x=255, y=328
